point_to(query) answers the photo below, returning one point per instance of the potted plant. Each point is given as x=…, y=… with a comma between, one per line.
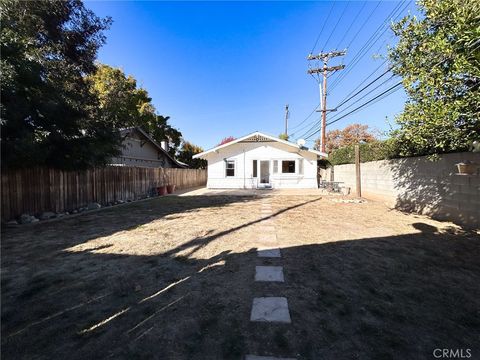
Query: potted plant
x=162, y=190
x=467, y=168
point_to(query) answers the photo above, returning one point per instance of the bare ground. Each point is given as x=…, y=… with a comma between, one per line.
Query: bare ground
x=172, y=278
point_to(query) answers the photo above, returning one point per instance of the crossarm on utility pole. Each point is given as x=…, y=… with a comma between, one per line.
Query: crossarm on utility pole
x=321, y=70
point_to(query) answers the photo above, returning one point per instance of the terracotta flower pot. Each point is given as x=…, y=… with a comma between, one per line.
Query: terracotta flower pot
x=161, y=190
x=467, y=168
x=170, y=189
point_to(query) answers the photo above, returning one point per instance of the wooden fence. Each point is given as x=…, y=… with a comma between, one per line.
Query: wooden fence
x=33, y=191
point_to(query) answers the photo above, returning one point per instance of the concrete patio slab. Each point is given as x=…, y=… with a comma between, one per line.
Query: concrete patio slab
x=269, y=273
x=269, y=253
x=270, y=309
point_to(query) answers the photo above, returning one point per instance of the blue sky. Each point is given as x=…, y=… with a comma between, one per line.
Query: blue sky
x=228, y=68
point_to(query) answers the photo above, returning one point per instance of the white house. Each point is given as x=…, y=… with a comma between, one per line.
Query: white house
x=258, y=160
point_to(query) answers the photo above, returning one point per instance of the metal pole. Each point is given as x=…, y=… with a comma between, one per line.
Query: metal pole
x=357, y=171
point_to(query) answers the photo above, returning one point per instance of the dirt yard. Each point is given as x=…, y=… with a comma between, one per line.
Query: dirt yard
x=173, y=278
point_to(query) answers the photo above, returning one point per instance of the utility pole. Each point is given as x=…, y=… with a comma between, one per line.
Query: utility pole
x=287, y=115
x=324, y=57
x=358, y=176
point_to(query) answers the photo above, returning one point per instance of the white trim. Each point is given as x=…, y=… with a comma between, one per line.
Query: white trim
x=273, y=138
x=234, y=161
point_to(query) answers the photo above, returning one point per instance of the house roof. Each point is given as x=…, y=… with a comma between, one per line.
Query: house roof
x=154, y=143
x=258, y=136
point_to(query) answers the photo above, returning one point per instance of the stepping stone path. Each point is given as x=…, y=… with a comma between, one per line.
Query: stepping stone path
x=269, y=273
x=269, y=253
x=269, y=309
x=273, y=309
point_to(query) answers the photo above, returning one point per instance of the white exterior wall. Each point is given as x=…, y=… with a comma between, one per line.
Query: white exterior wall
x=244, y=153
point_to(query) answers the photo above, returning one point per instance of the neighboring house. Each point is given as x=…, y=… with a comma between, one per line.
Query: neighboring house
x=261, y=161
x=139, y=149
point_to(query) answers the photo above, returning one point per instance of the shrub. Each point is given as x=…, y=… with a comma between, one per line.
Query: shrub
x=376, y=150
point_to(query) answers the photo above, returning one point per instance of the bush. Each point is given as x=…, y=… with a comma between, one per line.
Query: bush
x=375, y=150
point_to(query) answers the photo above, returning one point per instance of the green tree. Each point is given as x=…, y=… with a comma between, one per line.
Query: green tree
x=187, y=151
x=123, y=104
x=283, y=136
x=48, y=113
x=438, y=57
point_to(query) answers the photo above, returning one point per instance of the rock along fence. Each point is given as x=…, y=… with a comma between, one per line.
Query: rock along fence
x=38, y=190
x=419, y=185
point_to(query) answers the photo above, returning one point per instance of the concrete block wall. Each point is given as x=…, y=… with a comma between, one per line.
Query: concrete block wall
x=419, y=185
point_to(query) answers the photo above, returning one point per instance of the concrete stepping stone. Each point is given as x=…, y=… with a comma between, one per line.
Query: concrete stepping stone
x=269, y=273
x=255, y=357
x=270, y=309
x=269, y=253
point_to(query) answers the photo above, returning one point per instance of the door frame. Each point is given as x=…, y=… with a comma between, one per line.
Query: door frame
x=260, y=172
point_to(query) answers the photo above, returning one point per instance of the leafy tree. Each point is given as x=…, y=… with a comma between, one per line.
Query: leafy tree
x=352, y=134
x=226, y=140
x=283, y=136
x=438, y=57
x=124, y=104
x=48, y=113
x=187, y=151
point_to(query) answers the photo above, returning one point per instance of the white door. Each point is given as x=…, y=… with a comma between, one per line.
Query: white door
x=264, y=172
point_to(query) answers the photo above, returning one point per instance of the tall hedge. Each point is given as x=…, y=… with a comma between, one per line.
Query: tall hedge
x=376, y=150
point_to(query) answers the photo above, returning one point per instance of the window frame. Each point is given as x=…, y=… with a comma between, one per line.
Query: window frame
x=294, y=167
x=227, y=162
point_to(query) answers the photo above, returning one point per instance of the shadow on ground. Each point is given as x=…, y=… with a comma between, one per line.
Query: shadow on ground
x=374, y=298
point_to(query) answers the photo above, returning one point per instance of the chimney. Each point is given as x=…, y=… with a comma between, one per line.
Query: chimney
x=164, y=145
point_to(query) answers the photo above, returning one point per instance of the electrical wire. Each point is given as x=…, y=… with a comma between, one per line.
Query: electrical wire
x=323, y=27
x=336, y=24
x=378, y=97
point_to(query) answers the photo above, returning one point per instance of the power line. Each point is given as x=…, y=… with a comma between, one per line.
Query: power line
x=361, y=26
x=366, y=86
x=323, y=27
x=371, y=91
x=308, y=117
x=363, y=81
x=343, y=102
x=366, y=103
x=315, y=124
x=378, y=97
x=351, y=24
x=371, y=41
x=336, y=24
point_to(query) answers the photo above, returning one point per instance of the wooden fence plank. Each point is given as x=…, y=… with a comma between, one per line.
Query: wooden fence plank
x=37, y=190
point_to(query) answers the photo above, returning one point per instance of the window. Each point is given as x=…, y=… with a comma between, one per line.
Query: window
x=300, y=166
x=254, y=168
x=275, y=166
x=288, y=166
x=230, y=168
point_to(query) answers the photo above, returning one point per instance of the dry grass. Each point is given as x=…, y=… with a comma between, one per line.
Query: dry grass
x=172, y=278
